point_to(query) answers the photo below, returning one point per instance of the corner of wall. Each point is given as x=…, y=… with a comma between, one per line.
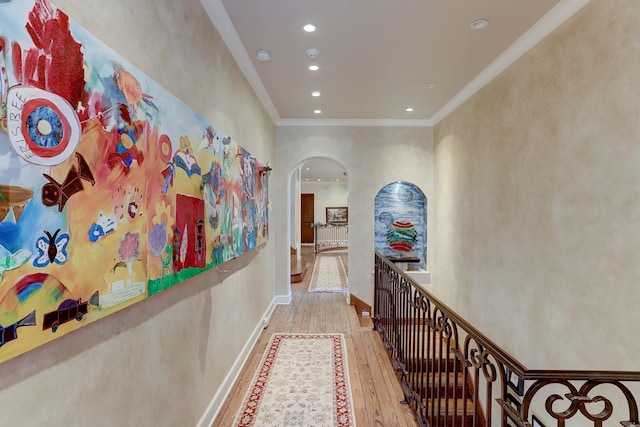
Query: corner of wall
x=284, y=299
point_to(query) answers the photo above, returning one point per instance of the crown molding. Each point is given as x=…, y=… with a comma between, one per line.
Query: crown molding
x=220, y=18
x=354, y=122
x=218, y=15
x=545, y=26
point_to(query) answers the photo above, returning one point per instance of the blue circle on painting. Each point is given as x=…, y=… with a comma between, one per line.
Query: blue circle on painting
x=55, y=130
x=386, y=218
x=404, y=194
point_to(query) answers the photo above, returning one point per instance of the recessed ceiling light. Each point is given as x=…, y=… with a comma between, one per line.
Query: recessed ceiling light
x=306, y=179
x=315, y=93
x=313, y=52
x=318, y=179
x=409, y=109
x=309, y=28
x=479, y=24
x=428, y=85
x=263, y=55
x=317, y=111
x=307, y=169
x=314, y=67
x=338, y=180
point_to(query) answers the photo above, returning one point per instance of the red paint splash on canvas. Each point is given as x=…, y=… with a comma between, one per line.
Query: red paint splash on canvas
x=55, y=63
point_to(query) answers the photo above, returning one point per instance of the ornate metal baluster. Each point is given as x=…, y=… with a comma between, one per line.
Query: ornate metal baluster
x=421, y=334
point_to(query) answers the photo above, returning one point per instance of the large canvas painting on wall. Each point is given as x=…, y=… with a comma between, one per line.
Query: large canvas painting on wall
x=111, y=189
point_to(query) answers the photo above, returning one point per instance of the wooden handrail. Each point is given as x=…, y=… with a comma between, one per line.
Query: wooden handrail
x=515, y=365
x=539, y=374
x=432, y=347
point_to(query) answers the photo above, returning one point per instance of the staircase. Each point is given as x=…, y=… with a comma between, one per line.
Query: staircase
x=297, y=267
x=444, y=390
x=454, y=375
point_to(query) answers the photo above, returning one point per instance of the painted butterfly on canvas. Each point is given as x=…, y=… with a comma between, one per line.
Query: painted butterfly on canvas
x=51, y=248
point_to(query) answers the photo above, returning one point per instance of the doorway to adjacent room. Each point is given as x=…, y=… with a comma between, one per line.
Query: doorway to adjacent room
x=307, y=209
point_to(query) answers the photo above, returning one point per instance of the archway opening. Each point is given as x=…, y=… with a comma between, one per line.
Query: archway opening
x=319, y=195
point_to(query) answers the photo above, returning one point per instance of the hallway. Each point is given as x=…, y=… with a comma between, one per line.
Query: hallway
x=376, y=392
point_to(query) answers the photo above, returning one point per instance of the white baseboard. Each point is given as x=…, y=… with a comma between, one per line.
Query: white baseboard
x=284, y=299
x=221, y=395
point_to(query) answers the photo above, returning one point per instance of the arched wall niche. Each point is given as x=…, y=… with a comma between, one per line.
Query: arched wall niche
x=400, y=215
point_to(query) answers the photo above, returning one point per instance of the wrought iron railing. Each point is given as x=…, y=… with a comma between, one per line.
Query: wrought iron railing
x=453, y=375
x=330, y=236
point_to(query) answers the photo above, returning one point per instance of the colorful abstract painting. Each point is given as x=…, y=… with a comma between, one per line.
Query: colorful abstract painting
x=111, y=188
x=401, y=221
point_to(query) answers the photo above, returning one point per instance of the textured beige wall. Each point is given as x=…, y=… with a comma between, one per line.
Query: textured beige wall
x=372, y=157
x=326, y=194
x=537, y=198
x=161, y=361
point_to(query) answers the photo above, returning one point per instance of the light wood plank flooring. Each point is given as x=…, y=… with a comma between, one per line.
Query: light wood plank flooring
x=377, y=395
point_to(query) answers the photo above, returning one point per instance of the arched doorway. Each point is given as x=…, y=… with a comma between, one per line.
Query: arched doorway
x=317, y=185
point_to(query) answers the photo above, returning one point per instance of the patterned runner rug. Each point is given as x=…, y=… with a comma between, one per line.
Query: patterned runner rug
x=329, y=274
x=302, y=381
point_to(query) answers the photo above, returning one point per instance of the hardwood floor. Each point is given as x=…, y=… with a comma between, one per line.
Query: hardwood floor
x=376, y=391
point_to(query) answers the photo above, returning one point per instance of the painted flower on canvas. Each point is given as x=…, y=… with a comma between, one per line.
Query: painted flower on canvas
x=129, y=247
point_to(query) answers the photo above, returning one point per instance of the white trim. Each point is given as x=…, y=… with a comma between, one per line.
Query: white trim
x=225, y=388
x=284, y=299
x=218, y=15
x=354, y=122
x=545, y=26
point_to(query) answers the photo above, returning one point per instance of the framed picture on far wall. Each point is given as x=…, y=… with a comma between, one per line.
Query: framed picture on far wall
x=338, y=214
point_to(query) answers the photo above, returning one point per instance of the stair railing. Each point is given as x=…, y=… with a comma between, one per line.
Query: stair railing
x=453, y=375
x=330, y=236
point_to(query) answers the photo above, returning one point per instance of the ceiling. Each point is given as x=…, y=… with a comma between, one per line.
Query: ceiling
x=376, y=56
x=322, y=169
